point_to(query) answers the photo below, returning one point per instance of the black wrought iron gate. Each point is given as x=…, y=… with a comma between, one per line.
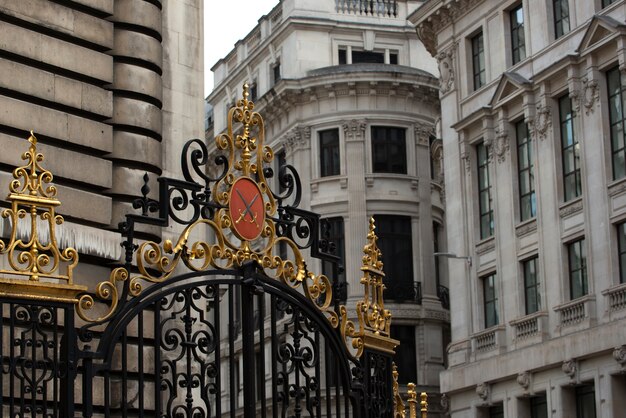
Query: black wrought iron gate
x=230, y=324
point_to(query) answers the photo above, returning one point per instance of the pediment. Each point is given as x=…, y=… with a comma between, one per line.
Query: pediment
x=510, y=85
x=599, y=29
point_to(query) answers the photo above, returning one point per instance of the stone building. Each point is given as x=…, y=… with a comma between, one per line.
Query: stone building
x=349, y=98
x=112, y=90
x=532, y=97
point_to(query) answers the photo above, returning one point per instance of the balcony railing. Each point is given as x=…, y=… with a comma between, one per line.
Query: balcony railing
x=379, y=8
x=529, y=326
x=616, y=297
x=490, y=339
x=576, y=311
x=444, y=296
x=403, y=292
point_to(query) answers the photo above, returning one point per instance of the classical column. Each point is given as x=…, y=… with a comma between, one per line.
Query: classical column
x=356, y=221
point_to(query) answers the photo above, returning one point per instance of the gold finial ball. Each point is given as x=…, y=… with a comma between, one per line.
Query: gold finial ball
x=245, y=90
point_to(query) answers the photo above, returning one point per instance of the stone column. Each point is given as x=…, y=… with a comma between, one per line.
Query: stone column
x=137, y=102
x=356, y=224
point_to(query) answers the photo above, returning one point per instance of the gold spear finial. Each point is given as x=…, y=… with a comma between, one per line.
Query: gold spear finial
x=424, y=404
x=412, y=400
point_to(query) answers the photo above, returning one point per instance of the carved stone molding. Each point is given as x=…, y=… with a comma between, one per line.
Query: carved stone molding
x=354, y=130
x=298, y=138
x=487, y=245
x=500, y=145
x=591, y=95
x=482, y=390
x=523, y=379
x=571, y=209
x=542, y=122
x=619, y=354
x=445, y=404
x=526, y=228
x=570, y=368
x=436, y=154
x=423, y=132
x=445, y=60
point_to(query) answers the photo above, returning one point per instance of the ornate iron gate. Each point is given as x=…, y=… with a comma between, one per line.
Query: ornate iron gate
x=228, y=323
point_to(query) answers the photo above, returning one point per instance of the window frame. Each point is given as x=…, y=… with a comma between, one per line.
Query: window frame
x=621, y=250
x=536, y=402
x=569, y=145
x=390, y=160
x=559, y=19
x=531, y=288
x=581, y=394
x=482, y=168
x=490, y=304
x=336, y=236
x=393, y=232
x=527, y=198
x=518, y=50
x=614, y=120
x=573, y=269
x=479, y=71
x=330, y=151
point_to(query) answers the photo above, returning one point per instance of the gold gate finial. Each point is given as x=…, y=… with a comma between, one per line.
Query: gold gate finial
x=34, y=255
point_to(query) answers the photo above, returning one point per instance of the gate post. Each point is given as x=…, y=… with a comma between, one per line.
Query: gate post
x=375, y=346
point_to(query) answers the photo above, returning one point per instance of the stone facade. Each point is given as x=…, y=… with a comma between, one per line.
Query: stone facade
x=531, y=129
x=305, y=63
x=112, y=90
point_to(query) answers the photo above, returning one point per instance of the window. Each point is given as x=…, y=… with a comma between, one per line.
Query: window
x=518, y=42
x=478, y=61
x=621, y=248
x=570, y=151
x=350, y=56
x=606, y=3
x=577, y=269
x=484, y=193
x=496, y=411
x=490, y=300
x=538, y=406
x=525, y=172
x=253, y=90
x=405, y=357
x=395, y=243
x=329, y=152
x=616, y=117
x=276, y=76
x=561, y=17
x=585, y=401
x=436, y=249
x=531, y=286
x=389, y=149
x=336, y=236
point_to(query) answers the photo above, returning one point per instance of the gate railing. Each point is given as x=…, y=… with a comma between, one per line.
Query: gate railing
x=248, y=222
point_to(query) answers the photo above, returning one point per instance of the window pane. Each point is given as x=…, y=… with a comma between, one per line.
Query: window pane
x=577, y=269
x=337, y=237
x=621, y=247
x=405, y=357
x=490, y=301
x=389, y=150
x=329, y=152
x=395, y=243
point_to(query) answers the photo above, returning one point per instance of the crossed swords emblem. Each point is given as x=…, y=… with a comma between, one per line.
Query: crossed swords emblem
x=248, y=210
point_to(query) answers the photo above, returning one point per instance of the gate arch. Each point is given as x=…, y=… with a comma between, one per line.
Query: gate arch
x=297, y=378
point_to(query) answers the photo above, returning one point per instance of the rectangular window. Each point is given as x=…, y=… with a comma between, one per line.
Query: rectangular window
x=329, y=152
x=342, y=56
x=389, y=149
x=538, y=406
x=367, y=57
x=478, y=61
x=577, y=259
x=276, y=75
x=585, y=401
x=606, y=3
x=337, y=237
x=393, y=58
x=561, y=17
x=490, y=301
x=496, y=411
x=621, y=248
x=570, y=150
x=395, y=243
x=405, y=357
x=531, y=286
x=484, y=193
x=616, y=118
x=526, y=175
x=518, y=41
x=253, y=90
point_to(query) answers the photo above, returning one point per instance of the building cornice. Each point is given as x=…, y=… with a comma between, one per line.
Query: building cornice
x=435, y=15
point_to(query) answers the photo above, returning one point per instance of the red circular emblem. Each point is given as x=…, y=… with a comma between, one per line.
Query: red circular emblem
x=247, y=210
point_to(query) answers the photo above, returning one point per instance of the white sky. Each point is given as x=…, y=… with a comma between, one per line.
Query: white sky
x=226, y=22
